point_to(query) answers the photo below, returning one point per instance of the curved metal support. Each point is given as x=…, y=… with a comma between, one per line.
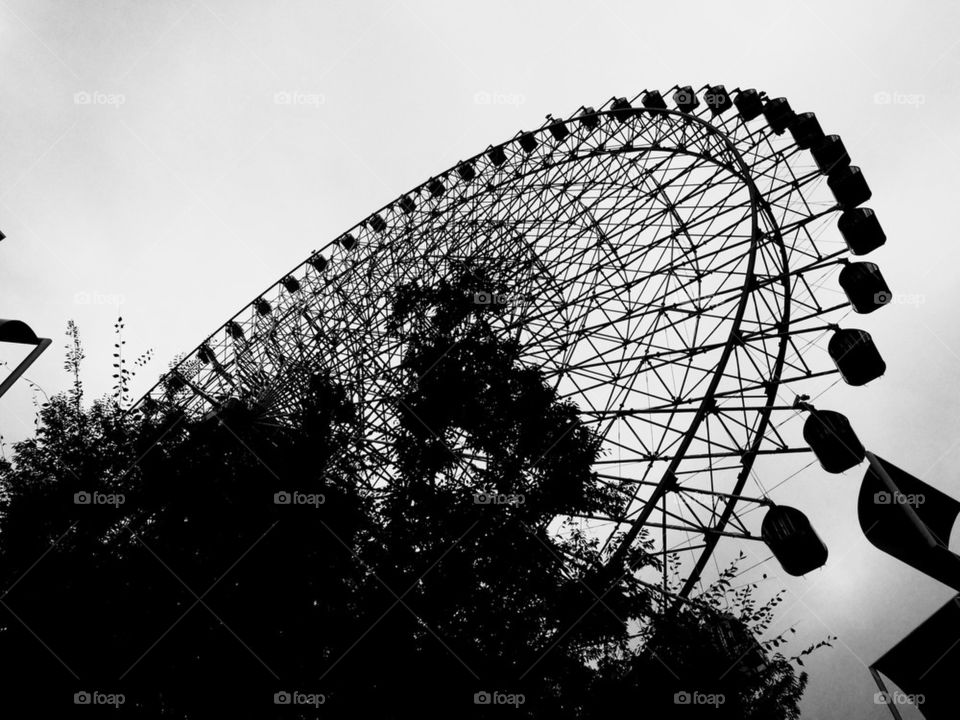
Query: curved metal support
x=16, y=331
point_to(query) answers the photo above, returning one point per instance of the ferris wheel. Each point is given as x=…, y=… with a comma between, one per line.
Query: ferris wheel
x=677, y=264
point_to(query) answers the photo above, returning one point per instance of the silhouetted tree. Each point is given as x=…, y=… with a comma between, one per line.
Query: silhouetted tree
x=487, y=457
x=702, y=658
x=222, y=560
x=177, y=579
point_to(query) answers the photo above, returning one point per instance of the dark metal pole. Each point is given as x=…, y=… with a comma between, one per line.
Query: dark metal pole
x=886, y=694
x=895, y=493
x=42, y=345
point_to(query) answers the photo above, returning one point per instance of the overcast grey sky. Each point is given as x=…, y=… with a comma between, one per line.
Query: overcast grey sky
x=150, y=167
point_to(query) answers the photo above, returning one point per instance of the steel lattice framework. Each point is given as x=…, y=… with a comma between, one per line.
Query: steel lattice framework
x=673, y=266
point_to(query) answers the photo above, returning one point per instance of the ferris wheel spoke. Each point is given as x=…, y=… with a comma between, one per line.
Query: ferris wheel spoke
x=670, y=273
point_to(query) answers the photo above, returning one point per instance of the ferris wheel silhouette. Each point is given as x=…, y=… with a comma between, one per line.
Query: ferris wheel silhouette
x=684, y=267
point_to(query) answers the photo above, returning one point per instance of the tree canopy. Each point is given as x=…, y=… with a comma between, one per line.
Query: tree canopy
x=229, y=565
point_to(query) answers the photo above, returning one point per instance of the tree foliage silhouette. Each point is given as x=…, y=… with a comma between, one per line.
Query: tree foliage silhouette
x=201, y=566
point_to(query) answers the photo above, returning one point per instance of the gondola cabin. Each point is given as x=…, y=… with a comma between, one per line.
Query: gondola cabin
x=833, y=441
x=792, y=540
x=856, y=356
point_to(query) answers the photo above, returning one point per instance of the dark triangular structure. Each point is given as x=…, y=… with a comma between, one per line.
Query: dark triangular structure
x=910, y=520
x=926, y=665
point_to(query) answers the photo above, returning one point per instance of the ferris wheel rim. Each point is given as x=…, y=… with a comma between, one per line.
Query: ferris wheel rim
x=758, y=203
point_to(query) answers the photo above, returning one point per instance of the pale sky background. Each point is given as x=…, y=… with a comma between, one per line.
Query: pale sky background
x=183, y=189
